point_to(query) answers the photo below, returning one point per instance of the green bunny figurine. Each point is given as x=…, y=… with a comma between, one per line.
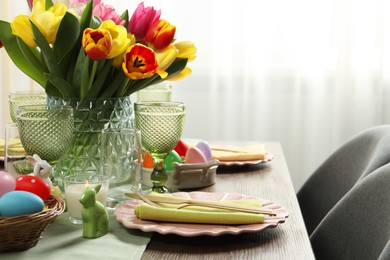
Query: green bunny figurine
x=94, y=214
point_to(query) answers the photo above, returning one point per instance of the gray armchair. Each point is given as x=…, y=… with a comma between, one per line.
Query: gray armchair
x=346, y=201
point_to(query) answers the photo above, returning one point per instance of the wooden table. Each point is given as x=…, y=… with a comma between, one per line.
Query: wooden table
x=269, y=181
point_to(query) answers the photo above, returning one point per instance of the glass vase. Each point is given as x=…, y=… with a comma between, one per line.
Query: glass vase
x=91, y=116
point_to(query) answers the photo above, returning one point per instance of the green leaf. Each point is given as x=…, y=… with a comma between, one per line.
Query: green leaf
x=78, y=70
x=46, y=50
x=115, y=84
x=19, y=59
x=85, y=79
x=86, y=17
x=67, y=36
x=100, y=80
x=125, y=17
x=31, y=54
x=95, y=22
x=48, y=4
x=63, y=86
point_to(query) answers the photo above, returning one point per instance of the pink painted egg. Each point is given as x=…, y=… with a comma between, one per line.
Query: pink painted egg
x=204, y=147
x=194, y=155
x=7, y=183
x=34, y=185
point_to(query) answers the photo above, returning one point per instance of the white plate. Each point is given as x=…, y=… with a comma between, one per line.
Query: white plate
x=125, y=214
x=268, y=157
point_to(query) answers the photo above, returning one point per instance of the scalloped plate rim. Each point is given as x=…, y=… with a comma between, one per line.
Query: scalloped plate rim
x=129, y=220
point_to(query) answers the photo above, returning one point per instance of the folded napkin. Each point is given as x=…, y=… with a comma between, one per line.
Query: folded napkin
x=242, y=153
x=15, y=146
x=200, y=214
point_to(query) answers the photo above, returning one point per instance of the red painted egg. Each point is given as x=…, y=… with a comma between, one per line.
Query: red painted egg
x=181, y=148
x=34, y=185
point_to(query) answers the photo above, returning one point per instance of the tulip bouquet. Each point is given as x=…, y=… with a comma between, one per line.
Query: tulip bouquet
x=84, y=49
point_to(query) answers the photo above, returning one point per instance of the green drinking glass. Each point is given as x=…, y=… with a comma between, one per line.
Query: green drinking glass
x=24, y=98
x=161, y=125
x=45, y=130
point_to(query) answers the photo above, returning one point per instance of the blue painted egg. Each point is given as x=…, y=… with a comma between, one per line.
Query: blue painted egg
x=16, y=203
x=172, y=157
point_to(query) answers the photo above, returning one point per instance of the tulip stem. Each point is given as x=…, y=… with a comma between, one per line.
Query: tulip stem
x=93, y=72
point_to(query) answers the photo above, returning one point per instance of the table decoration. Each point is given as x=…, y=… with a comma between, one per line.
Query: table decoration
x=157, y=92
x=22, y=98
x=75, y=185
x=86, y=55
x=94, y=214
x=45, y=130
x=161, y=125
x=125, y=214
x=15, y=161
x=23, y=232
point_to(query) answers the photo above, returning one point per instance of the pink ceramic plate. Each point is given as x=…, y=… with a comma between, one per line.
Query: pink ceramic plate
x=125, y=214
x=268, y=157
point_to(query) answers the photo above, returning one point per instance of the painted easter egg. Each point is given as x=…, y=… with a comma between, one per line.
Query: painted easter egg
x=7, y=183
x=16, y=203
x=172, y=157
x=34, y=185
x=194, y=155
x=148, y=161
x=204, y=147
x=181, y=148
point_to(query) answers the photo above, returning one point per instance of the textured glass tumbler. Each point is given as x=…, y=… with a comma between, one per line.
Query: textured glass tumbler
x=119, y=148
x=15, y=161
x=24, y=98
x=161, y=125
x=45, y=130
x=159, y=92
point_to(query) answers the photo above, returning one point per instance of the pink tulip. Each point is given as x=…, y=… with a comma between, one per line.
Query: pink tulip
x=107, y=12
x=30, y=3
x=142, y=19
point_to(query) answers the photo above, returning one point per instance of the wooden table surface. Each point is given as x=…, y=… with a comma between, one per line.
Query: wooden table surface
x=270, y=181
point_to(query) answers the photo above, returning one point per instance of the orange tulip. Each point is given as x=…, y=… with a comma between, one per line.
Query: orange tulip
x=140, y=62
x=160, y=35
x=97, y=43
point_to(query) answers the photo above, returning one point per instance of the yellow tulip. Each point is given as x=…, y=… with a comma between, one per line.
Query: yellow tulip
x=47, y=21
x=186, y=49
x=21, y=27
x=120, y=41
x=117, y=62
x=182, y=74
x=166, y=57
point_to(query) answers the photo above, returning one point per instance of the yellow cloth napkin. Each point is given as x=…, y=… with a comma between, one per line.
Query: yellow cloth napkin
x=199, y=214
x=243, y=153
x=15, y=147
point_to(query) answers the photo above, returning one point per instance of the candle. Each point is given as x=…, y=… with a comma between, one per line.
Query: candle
x=74, y=188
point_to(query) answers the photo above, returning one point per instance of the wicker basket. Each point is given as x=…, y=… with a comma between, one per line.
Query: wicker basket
x=23, y=232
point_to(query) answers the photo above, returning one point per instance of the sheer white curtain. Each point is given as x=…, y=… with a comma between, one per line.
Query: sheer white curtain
x=306, y=73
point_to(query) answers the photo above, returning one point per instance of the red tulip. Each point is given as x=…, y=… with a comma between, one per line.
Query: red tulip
x=97, y=44
x=160, y=35
x=140, y=62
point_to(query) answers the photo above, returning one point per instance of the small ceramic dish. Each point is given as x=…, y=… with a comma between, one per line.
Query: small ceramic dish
x=187, y=175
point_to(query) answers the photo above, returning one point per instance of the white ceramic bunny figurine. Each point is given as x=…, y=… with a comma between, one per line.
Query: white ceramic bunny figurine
x=43, y=170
